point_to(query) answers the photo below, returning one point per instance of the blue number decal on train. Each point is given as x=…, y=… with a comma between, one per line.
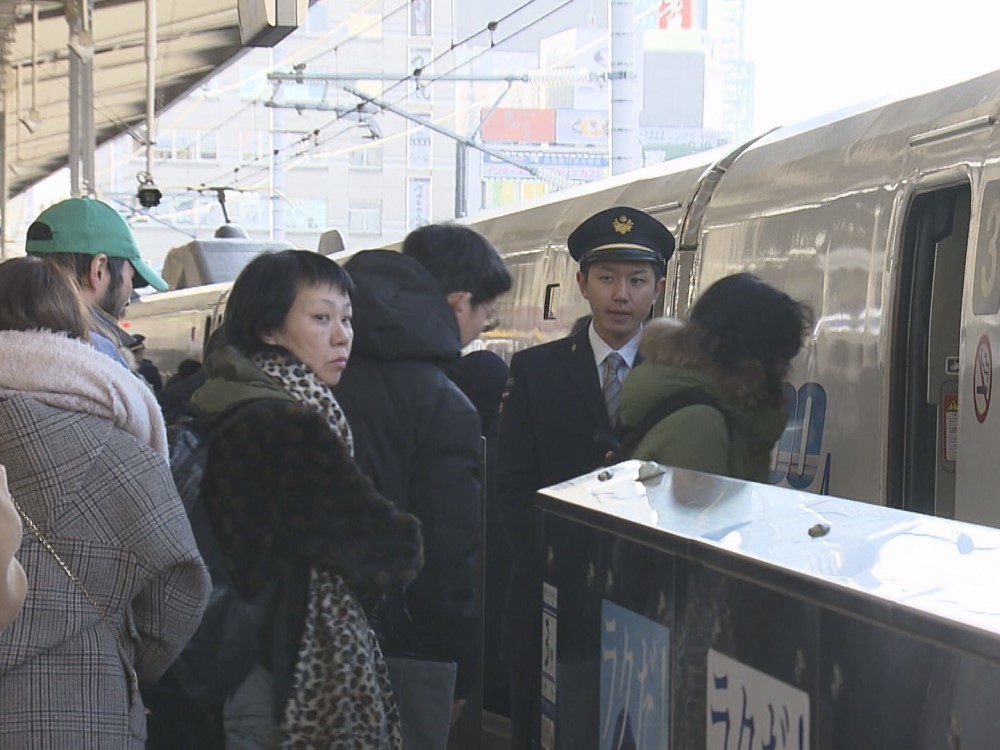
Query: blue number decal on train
x=782, y=461
x=797, y=458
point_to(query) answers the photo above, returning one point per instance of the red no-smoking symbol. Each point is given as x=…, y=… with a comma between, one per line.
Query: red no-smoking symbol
x=982, y=379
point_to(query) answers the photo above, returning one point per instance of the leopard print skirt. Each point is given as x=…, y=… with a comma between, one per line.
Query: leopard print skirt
x=341, y=697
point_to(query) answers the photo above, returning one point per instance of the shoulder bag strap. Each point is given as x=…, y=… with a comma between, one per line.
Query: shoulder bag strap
x=674, y=403
x=123, y=655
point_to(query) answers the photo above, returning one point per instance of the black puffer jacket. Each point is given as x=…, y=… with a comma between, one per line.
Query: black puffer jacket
x=419, y=438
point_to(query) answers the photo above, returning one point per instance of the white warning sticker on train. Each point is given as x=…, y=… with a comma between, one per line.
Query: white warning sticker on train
x=950, y=407
x=748, y=708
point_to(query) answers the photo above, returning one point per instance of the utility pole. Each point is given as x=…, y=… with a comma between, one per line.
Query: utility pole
x=461, y=180
x=624, y=133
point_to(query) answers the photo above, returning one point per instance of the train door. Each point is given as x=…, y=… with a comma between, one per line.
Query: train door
x=924, y=372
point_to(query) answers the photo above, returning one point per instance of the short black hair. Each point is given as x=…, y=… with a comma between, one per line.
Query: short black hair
x=265, y=291
x=749, y=319
x=461, y=260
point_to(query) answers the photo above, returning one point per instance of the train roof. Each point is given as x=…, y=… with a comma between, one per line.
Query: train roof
x=213, y=261
x=865, y=147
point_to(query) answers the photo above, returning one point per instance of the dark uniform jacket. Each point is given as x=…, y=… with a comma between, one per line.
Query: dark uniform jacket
x=553, y=426
x=420, y=440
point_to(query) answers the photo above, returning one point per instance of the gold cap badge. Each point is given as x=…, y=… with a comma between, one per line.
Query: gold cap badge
x=623, y=224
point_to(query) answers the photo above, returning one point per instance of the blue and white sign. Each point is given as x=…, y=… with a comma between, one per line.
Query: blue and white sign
x=635, y=681
x=578, y=165
x=748, y=709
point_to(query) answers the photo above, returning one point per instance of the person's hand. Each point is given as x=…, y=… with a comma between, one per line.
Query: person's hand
x=456, y=710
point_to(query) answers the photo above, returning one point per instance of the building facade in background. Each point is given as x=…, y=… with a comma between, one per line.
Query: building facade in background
x=523, y=111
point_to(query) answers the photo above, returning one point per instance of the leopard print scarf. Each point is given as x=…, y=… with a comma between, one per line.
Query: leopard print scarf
x=341, y=696
x=301, y=383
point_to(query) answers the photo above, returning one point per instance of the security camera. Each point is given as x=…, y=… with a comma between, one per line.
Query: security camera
x=149, y=195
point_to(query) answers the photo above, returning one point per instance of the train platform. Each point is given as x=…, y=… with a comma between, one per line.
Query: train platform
x=687, y=610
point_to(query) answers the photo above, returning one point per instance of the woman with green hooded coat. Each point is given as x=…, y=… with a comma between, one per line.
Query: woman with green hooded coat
x=727, y=364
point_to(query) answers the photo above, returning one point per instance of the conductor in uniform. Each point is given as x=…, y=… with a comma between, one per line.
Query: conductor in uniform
x=559, y=415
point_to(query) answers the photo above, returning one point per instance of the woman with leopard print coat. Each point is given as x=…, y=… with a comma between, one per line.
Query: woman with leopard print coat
x=289, y=504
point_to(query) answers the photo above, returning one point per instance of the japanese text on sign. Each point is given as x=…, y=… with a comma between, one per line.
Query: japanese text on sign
x=746, y=709
x=635, y=680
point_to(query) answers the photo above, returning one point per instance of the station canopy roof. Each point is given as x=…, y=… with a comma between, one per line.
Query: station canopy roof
x=194, y=38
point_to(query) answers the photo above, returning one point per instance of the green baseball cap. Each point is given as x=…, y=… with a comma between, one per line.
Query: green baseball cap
x=87, y=226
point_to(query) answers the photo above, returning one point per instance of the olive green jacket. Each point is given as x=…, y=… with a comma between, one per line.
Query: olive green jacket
x=734, y=439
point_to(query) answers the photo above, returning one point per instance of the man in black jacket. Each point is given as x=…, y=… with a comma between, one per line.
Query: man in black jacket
x=559, y=414
x=419, y=437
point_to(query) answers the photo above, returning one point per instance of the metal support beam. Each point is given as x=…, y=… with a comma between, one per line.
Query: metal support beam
x=82, y=135
x=540, y=172
x=277, y=136
x=74, y=130
x=4, y=162
x=560, y=75
x=151, y=53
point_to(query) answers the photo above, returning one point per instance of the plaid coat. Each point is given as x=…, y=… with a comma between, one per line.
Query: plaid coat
x=106, y=502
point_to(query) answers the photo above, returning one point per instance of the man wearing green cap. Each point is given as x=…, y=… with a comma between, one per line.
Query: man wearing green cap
x=95, y=243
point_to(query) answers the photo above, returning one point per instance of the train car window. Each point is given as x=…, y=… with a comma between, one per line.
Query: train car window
x=551, y=302
x=207, y=333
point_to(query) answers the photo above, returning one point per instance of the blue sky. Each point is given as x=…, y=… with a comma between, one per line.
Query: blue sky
x=812, y=57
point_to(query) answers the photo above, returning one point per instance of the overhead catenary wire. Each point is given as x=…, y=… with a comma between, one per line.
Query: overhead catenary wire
x=314, y=135
x=490, y=28
x=298, y=158
x=318, y=142
x=310, y=152
x=293, y=59
x=597, y=41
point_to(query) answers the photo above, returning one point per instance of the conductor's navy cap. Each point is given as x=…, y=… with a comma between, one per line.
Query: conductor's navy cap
x=621, y=233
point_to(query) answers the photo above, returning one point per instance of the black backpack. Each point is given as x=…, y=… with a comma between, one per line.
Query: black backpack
x=186, y=703
x=674, y=403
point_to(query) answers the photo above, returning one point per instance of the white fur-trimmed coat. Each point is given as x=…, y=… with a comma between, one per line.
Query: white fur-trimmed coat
x=84, y=449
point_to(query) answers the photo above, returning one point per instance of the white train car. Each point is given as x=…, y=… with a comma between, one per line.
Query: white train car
x=886, y=220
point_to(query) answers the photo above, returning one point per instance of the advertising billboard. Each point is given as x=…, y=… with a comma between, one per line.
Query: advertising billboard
x=676, y=14
x=579, y=166
x=582, y=126
x=519, y=126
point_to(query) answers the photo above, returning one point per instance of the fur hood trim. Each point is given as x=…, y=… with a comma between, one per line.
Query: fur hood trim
x=686, y=346
x=69, y=374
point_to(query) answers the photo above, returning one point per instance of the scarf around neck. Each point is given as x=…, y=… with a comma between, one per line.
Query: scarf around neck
x=301, y=383
x=69, y=374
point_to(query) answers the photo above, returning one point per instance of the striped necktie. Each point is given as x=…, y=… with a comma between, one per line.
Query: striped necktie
x=612, y=384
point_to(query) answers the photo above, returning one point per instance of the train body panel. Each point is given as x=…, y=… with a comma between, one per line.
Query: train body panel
x=884, y=219
x=176, y=324
x=545, y=300
x=868, y=220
